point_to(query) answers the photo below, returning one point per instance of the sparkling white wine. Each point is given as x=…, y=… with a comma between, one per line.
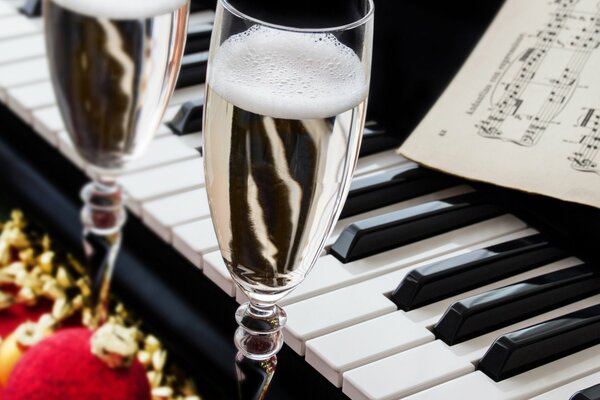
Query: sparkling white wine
x=114, y=64
x=283, y=124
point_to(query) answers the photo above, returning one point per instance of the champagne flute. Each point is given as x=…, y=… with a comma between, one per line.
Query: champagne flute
x=285, y=108
x=114, y=64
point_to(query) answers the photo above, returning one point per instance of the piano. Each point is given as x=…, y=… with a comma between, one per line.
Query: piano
x=430, y=287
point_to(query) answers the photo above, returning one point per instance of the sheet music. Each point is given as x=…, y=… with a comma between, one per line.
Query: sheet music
x=524, y=111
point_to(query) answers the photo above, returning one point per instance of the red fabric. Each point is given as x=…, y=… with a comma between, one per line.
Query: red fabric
x=62, y=368
x=13, y=317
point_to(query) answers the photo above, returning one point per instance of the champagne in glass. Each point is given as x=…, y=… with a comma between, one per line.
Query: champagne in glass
x=114, y=64
x=285, y=110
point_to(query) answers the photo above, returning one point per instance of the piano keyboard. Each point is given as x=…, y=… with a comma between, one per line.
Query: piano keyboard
x=426, y=290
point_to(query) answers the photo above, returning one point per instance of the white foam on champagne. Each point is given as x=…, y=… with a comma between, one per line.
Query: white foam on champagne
x=288, y=75
x=121, y=9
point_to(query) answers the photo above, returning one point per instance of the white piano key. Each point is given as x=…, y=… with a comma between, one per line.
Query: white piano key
x=24, y=100
x=329, y=273
x=568, y=390
x=7, y=10
x=161, y=151
x=14, y=3
x=16, y=26
x=190, y=93
x=170, y=112
x=22, y=73
x=163, y=130
x=471, y=386
x=558, y=373
x=48, y=122
x=195, y=239
x=378, y=161
x=36, y=104
x=168, y=180
x=214, y=268
x=65, y=146
x=201, y=18
x=343, y=223
x=405, y=373
x=23, y=48
x=361, y=344
x=193, y=140
x=164, y=214
x=339, y=309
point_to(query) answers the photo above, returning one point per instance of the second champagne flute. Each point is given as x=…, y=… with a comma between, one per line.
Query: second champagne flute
x=113, y=64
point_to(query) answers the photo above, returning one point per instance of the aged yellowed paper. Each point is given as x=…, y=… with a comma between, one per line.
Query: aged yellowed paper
x=524, y=111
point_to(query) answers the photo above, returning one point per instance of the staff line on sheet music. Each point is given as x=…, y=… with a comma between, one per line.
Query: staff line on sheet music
x=490, y=126
x=561, y=92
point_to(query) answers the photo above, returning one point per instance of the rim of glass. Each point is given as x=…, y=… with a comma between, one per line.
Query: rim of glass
x=346, y=27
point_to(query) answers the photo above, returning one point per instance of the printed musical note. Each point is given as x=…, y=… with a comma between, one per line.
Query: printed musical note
x=524, y=110
x=539, y=83
x=584, y=159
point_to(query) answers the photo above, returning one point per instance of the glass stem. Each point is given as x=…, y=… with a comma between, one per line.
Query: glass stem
x=258, y=339
x=103, y=215
x=254, y=376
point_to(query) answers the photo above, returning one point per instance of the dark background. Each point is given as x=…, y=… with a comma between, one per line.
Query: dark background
x=419, y=46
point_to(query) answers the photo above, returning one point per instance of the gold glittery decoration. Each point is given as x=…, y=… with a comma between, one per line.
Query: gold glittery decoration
x=39, y=271
x=115, y=345
x=6, y=300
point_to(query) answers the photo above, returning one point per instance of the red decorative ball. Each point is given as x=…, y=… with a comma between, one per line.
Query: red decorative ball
x=62, y=367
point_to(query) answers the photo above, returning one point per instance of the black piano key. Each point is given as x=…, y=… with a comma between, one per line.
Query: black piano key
x=434, y=282
x=198, y=38
x=591, y=393
x=376, y=139
x=388, y=231
x=488, y=311
x=393, y=186
x=202, y=5
x=193, y=70
x=188, y=119
x=32, y=8
x=528, y=348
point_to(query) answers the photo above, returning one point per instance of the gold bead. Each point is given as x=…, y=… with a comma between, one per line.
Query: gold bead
x=51, y=289
x=46, y=242
x=155, y=378
x=144, y=358
x=62, y=309
x=77, y=302
x=151, y=344
x=64, y=278
x=45, y=261
x=26, y=256
x=28, y=335
x=27, y=296
x=6, y=300
x=83, y=285
x=159, y=359
x=162, y=393
x=115, y=345
x=46, y=324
